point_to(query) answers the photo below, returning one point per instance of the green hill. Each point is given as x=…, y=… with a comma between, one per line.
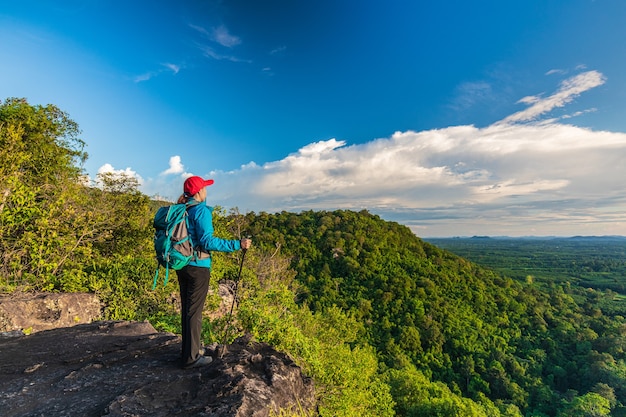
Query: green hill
x=481, y=334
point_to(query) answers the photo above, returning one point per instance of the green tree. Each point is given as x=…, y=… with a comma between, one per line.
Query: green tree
x=57, y=229
x=40, y=153
x=323, y=343
x=588, y=405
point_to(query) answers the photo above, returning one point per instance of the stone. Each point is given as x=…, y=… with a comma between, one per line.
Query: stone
x=120, y=368
x=31, y=312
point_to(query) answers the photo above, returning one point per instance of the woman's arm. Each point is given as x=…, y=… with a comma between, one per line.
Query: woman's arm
x=204, y=230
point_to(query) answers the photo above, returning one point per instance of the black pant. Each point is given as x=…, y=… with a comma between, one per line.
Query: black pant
x=194, y=286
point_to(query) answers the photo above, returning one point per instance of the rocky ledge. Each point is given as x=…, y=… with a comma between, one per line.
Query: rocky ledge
x=129, y=369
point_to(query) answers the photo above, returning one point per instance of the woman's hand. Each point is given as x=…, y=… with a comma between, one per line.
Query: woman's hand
x=245, y=243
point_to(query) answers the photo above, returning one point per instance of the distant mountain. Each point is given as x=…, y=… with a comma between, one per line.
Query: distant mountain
x=606, y=238
x=599, y=238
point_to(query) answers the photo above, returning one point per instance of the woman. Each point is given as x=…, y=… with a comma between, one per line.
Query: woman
x=194, y=278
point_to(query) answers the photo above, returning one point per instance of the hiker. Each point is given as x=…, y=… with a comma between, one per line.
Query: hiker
x=194, y=278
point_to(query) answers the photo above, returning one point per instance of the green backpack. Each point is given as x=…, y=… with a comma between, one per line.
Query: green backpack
x=172, y=243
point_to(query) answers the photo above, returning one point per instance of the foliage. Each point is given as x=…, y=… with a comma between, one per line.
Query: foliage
x=417, y=396
x=481, y=334
x=596, y=262
x=323, y=344
x=588, y=405
x=38, y=191
x=52, y=222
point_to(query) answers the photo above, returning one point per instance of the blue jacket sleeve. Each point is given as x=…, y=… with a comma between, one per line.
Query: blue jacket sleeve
x=202, y=231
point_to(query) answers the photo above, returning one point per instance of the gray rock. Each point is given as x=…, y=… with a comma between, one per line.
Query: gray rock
x=44, y=311
x=129, y=369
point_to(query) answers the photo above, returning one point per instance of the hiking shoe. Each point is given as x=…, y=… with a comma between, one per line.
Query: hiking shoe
x=201, y=361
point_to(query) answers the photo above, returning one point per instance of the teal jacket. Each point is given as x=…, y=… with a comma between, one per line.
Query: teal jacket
x=201, y=232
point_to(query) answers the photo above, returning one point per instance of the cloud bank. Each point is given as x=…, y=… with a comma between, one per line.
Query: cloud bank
x=520, y=176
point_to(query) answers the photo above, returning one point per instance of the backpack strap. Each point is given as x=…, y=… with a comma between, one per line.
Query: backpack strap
x=191, y=203
x=156, y=276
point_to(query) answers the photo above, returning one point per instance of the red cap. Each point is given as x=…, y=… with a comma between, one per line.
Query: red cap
x=194, y=184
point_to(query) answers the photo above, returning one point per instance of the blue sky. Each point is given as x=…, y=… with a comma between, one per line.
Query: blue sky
x=455, y=118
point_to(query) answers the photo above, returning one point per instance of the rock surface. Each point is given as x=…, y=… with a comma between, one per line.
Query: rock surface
x=44, y=311
x=129, y=369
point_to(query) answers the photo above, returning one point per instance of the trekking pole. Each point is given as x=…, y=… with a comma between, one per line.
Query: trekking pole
x=232, y=306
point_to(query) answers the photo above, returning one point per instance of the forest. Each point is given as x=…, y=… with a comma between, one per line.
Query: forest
x=386, y=323
x=591, y=261
x=597, y=262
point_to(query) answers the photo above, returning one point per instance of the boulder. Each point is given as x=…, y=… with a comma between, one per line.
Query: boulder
x=129, y=369
x=31, y=312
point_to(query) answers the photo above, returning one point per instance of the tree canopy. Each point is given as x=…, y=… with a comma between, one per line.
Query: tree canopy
x=432, y=314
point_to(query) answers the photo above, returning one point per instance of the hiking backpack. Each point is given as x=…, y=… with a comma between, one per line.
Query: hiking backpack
x=172, y=243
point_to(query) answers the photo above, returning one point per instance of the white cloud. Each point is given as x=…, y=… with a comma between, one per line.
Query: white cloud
x=212, y=53
x=570, y=89
x=176, y=166
x=144, y=77
x=278, y=50
x=530, y=99
x=200, y=29
x=120, y=173
x=470, y=93
x=464, y=163
x=223, y=38
x=460, y=180
x=221, y=35
x=556, y=71
x=172, y=67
